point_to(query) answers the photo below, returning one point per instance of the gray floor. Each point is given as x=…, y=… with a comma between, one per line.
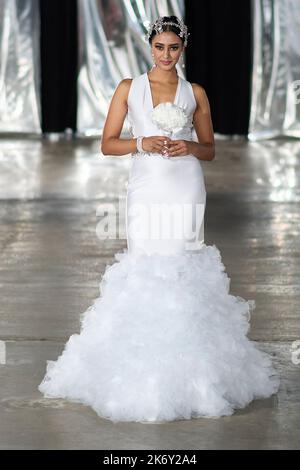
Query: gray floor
x=51, y=265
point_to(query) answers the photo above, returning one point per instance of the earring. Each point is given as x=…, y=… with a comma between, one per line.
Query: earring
x=154, y=64
x=182, y=63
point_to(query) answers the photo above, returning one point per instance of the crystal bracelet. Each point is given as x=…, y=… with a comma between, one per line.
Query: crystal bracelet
x=139, y=145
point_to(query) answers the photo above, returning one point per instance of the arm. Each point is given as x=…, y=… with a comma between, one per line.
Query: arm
x=111, y=144
x=204, y=149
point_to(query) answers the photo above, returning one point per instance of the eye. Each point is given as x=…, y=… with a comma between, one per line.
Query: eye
x=174, y=48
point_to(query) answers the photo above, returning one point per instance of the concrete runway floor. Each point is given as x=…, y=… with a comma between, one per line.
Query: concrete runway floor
x=51, y=265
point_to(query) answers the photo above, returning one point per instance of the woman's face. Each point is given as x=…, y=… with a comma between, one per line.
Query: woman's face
x=166, y=48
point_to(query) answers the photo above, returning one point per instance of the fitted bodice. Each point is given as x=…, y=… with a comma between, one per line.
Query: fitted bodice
x=140, y=107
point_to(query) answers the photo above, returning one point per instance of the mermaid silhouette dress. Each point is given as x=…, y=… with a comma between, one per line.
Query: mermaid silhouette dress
x=165, y=339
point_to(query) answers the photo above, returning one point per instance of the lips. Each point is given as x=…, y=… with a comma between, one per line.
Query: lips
x=166, y=62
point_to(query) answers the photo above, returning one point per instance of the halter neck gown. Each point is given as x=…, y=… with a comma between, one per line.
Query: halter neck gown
x=165, y=339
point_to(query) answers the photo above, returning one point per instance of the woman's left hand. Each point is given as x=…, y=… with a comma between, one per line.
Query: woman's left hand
x=177, y=148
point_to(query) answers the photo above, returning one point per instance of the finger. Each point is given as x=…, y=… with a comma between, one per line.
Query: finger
x=164, y=139
x=175, y=151
x=165, y=148
x=159, y=148
x=173, y=144
x=161, y=142
x=175, y=148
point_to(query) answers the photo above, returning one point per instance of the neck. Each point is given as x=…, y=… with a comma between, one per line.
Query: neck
x=164, y=75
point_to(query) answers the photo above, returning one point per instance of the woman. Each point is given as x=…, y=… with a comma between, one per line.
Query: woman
x=165, y=340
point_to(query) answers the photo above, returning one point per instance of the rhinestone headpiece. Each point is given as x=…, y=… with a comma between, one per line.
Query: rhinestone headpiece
x=158, y=26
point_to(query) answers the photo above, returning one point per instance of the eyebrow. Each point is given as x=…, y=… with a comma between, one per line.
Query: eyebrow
x=162, y=44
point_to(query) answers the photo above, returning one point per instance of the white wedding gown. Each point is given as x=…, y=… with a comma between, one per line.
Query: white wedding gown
x=165, y=339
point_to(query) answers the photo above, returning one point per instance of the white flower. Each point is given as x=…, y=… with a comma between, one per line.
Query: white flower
x=168, y=116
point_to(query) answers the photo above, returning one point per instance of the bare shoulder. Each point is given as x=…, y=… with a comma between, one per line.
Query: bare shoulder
x=126, y=82
x=124, y=85
x=122, y=90
x=201, y=97
x=197, y=88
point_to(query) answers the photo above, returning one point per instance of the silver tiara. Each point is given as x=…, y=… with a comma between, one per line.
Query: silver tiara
x=158, y=26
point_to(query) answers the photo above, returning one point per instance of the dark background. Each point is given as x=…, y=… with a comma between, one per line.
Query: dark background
x=59, y=64
x=218, y=57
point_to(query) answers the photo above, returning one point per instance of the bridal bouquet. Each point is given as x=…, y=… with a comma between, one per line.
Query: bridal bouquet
x=169, y=117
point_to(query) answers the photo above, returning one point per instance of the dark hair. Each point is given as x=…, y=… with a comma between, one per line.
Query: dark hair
x=168, y=27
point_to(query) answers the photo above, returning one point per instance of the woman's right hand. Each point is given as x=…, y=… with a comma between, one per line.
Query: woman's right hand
x=156, y=144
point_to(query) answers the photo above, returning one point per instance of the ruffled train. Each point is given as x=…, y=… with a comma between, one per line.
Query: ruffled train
x=165, y=340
